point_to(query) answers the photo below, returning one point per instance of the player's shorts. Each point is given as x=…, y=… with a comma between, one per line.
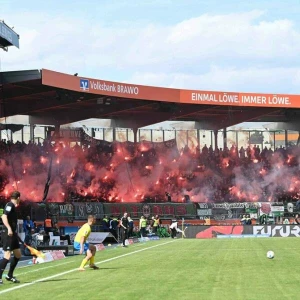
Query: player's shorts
x=77, y=246
x=10, y=243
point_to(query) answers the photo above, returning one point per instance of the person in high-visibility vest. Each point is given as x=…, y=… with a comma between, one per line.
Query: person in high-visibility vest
x=143, y=225
x=48, y=225
x=105, y=224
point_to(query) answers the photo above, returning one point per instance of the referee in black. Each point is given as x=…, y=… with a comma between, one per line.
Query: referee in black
x=10, y=238
x=124, y=228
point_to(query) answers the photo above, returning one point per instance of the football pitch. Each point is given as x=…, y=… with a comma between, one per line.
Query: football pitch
x=170, y=269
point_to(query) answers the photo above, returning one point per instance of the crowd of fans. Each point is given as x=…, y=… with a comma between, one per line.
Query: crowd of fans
x=154, y=172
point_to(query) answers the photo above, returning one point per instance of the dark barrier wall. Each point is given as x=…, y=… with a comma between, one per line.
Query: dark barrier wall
x=207, y=232
x=164, y=210
x=71, y=211
x=80, y=210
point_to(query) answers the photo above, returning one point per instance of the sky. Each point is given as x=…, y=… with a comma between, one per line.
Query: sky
x=225, y=45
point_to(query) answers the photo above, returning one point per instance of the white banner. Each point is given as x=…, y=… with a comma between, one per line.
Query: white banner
x=49, y=256
x=97, y=237
x=277, y=208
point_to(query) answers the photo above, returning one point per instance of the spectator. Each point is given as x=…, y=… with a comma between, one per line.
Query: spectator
x=124, y=228
x=130, y=227
x=173, y=228
x=142, y=226
x=105, y=224
x=298, y=205
x=66, y=237
x=113, y=226
x=213, y=175
x=156, y=224
x=244, y=220
x=48, y=225
x=28, y=225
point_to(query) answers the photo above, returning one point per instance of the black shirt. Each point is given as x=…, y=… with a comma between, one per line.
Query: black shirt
x=12, y=217
x=56, y=232
x=124, y=221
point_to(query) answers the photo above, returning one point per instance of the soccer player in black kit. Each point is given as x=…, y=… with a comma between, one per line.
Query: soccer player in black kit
x=124, y=228
x=10, y=238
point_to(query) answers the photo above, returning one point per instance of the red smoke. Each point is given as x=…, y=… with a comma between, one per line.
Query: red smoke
x=129, y=174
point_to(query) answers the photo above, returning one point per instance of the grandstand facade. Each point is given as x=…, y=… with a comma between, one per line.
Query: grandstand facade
x=204, y=158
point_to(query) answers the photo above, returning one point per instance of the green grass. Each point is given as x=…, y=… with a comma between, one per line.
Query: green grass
x=181, y=269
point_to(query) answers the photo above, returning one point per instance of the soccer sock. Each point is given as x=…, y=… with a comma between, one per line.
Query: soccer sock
x=83, y=263
x=3, y=264
x=13, y=264
x=92, y=261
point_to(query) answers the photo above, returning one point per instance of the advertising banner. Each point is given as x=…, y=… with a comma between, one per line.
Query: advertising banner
x=276, y=230
x=109, y=88
x=277, y=211
x=213, y=211
x=78, y=210
x=134, y=91
x=47, y=258
x=66, y=210
x=100, y=247
x=164, y=210
x=207, y=232
x=50, y=256
x=98, y=237
x=225, y=210
x=58, y=254
x=82, y=210
x=238, y=99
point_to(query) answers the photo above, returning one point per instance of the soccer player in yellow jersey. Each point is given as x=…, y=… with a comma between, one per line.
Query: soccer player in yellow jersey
x=81, y=244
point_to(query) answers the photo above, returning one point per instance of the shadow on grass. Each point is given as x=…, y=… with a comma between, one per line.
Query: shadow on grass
x=107, y=269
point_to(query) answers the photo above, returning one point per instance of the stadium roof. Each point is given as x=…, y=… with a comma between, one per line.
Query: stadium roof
x=55, y=98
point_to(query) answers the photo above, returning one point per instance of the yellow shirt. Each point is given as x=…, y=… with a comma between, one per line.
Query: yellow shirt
x=84, y=231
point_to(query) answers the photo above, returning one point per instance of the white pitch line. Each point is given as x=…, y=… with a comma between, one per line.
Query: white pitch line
x=65, y=263
x=73, y=270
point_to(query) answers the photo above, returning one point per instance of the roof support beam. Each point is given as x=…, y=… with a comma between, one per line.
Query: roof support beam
x=236, y=117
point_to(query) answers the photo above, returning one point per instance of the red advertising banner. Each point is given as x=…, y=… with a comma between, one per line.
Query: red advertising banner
x=57, y=254
x=134, y=91
x=108, y=88
x=100, y=247
x=240, y=99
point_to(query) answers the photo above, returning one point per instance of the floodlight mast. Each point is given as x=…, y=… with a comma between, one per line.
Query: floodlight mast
x=4, y=48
